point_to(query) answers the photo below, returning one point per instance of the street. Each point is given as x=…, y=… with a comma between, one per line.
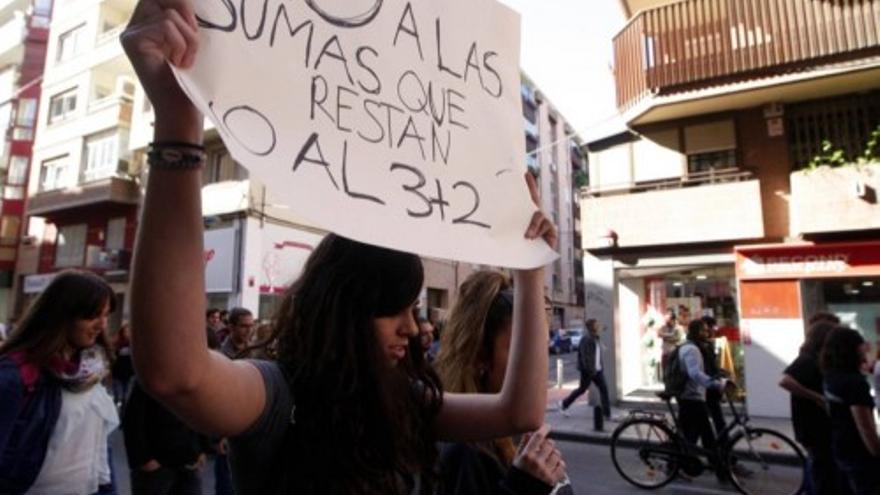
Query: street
x=589, y=468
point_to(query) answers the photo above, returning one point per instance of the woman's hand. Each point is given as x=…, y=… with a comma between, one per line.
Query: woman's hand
x=163, y=32
x=538, y=456
x=540, y=226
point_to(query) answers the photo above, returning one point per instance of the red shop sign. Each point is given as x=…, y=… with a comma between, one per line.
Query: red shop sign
x=794, y=261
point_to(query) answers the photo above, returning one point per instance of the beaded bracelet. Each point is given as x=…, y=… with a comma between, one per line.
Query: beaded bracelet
x=167, y=158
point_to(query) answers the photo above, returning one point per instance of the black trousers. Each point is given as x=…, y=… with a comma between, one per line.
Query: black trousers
x=694, y=418
x=599, y=379
x=713, y=403
x=166, y=481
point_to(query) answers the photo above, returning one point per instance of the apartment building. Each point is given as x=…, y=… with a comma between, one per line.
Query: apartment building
x=24, y=28
x=83, y=186
x=555, y=158
x=738, y=182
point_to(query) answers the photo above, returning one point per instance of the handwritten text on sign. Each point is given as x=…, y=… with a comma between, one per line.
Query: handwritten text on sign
x=394, y=122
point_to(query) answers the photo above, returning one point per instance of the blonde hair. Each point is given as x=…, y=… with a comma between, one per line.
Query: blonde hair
x=466, y=345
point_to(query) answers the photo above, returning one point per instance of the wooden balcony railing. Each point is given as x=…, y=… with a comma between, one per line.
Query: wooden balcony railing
x=696, y=42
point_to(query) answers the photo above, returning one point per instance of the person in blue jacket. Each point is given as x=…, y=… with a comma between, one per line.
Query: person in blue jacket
x=56, y=415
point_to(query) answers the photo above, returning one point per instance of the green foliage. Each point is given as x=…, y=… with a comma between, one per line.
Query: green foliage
x=836, y=157
x=829, y=155
x=872, y=149
x=581, y=179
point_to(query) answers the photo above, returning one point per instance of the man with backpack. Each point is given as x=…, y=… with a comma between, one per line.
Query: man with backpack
x=686, y=378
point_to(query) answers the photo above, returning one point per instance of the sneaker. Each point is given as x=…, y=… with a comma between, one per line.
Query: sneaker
x=562, y=409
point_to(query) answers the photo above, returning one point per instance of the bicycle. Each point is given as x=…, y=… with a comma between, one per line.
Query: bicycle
x=649, y=451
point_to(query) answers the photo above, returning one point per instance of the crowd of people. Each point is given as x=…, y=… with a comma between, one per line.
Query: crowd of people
x=337, y=396
x=832, y=409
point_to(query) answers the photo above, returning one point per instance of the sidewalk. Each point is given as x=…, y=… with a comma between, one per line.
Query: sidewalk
x=578, y=426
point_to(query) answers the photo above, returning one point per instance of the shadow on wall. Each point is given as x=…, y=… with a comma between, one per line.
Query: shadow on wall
x=774, y=344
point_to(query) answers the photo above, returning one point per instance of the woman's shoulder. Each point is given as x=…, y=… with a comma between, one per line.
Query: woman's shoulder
x=278, y=411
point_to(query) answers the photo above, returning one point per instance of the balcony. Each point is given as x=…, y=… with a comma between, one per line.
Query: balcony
x=708, y=207
x=109, y=190
x=12, y=35
x=695, y=44
x=830, y=200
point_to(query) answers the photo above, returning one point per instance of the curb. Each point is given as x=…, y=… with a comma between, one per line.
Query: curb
x=571, y=436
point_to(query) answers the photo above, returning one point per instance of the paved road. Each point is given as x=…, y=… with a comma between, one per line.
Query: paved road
x=591, y=472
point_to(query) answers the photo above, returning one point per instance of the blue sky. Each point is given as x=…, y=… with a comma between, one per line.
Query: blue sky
x=566, y=50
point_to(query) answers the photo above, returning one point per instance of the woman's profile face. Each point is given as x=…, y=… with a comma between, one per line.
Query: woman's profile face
x=393, y=333
x=498, y=361
x=84, y=333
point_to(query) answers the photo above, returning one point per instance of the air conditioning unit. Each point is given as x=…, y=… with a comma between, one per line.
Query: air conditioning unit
x=29, y=240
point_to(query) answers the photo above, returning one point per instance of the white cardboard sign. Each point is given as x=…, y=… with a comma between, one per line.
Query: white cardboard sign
x=394, y=122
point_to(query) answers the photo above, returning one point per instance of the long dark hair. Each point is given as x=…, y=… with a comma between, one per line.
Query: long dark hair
x=361, y=425
x=841, y=351
x=812, y=345
x=42, y=332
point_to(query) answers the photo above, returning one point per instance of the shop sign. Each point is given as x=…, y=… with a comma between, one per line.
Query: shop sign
x=34, y=284
x=808, y=261
x=284, y=254
x=219, y=257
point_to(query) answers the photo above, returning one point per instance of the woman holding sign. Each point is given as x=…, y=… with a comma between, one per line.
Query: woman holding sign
x=342, y=410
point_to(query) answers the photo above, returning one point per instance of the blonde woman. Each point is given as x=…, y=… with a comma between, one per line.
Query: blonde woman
x=473, y=358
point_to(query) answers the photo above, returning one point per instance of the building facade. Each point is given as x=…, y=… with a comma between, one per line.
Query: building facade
x=738, y=182
x=82, y=190
x=24, y=29
x=555, y=158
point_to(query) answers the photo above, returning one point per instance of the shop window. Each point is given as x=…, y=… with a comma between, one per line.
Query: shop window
x=62, y=105
x=116, y=234
x=71, y=246
x=9, y=225
x=71, y=43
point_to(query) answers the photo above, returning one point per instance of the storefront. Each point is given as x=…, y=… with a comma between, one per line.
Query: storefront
x=781, y=286
x=630, y=296
x=645, y=296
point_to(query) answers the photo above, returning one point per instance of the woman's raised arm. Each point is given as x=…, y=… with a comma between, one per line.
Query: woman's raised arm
x=169, y=344
x=519, y=407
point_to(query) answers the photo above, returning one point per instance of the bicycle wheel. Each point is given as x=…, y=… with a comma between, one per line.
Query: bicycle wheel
x=762, y=461
x=645, y=453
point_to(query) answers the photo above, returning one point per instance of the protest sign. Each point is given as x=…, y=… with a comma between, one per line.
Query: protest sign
x=393, y=122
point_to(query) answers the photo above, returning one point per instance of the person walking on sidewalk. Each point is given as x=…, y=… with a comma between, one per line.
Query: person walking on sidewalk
x=591, y=367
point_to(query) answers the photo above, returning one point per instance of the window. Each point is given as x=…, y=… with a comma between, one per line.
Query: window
x=62, y=105
x=714, y=160
x=221, y=167
x=18, y=166
x=71, y=43
x=101, y=156
x=9, y=225
x=115, y=234
x=56, y=173
x=27, y=112
x=710, y=146
x=846, y=121
x=71, y=246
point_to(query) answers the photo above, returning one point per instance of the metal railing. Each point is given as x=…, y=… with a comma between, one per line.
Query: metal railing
x=708, y=177
x=692, y=42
